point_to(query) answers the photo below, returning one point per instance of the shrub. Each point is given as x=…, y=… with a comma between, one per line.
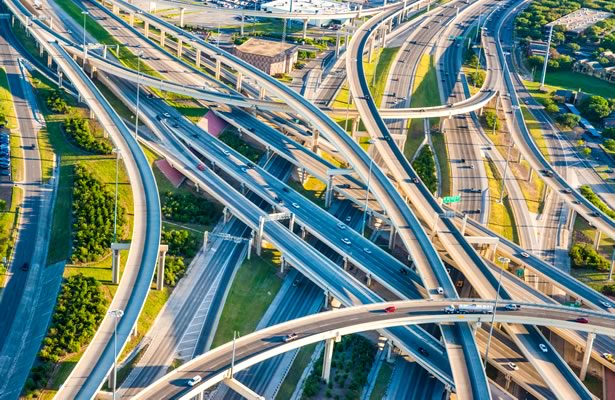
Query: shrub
x=476, y=78
x=595, y=107
x=425, y=167
x=181, y=242
x=609, y=290
x=568, y=119
x=610, y=144
x=79, y=130
x=188, y=208
x=56, y=103
x=237, y=144
x=552, y=108
x=491, y=119
x=93, y=215
x=584, y=256
x=174, y=269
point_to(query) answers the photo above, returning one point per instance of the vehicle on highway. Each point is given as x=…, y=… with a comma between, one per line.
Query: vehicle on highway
x=525, y=254
x=582, y=320
x=194, y=380
x=403, y=271
x=475, y=190
x=346, y=241
x=341, y=225
x=33, y=146
x=576, y=202
x=513, y=366
x=594, y=214
x=566, y=190
x=440, y=290
x=226, y=152
x=543, y=348
x=513, y=307
x=606, y=304
x=423, y=351
x=166, y=115
x=285, y=189
x=463, y=160
x=296, y=282
x=25, y=266
x=390, y=309
x=416, y=180
x=201, y=167
x=469, y=309
x=290, y=337
x=348, y=218
x=295, y=205
x=609, y=357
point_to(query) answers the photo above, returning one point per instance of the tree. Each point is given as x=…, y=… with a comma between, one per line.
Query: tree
x=586, y=151
x=2, y=205
x=609, y=133
x=595, y=108
x=536, y=61
x=573, y=46
x=552, y=108
x=491, y=119
x=610, y=144
x=570, y=120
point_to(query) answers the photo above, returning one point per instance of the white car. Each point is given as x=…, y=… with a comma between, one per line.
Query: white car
x=606, y=304
x=341, y=226
x=195, y=379
x=513, y=366
x=543, y=348
x=368, y=251
x=226, y=152
x=295, y=205
x=346, y=241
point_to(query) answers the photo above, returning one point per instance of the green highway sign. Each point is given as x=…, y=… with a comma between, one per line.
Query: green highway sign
x=451, y=199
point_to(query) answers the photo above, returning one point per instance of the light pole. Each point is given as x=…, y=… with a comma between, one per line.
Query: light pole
x=544, y=67
x=506, y=165
x=85, y=14
x=117, y=314
x=369, y=177
x=117, y=164
x=139, y=54
x=505, y=262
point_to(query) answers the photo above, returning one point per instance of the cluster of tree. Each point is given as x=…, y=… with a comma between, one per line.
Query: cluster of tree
x=425, y=167
x=93, y=215
x=476, y=78
x=79, y=310
x=608, y=133
x=56, y=103
x=174, y=269
x=235, y=142
x=239, y=40
x=550, y=105
x=595, y=108
x=568, y=120
x=80, y=131
x=189, y=208
x=180, y=242
x=584, y=256
x=610, y=144
x=306, y=54
x=589, y=194
x=608, y=290
x=556, y=61
x=491, y=119
x=352, y=360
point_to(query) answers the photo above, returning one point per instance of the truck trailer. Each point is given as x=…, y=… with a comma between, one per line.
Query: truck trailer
x=469, y=309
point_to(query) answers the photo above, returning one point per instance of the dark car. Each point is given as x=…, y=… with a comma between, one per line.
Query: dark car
x=25, y=266
x=423, y=351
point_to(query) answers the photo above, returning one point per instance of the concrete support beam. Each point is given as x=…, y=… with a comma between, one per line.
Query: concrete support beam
x=329, y=192
x=392, y=237
x=369, y=280
x=59, y=78
x=597, y=239
x=146, y=28
x=345, y=264
x=162, y=38
x=262, y=92
x=243, y=20
x=182, y=12
x=303, y=232
x=49, y=61
x=226, y=213
x=337, y=45
x=315, y=137
x=326, y=367
x=239, y=81
x=259, y=235
x=180, y=48
x=242, y=389
x=282, y=264
x=162, y=253
x=530, y=175
x=389, y=351
x=305, y=25
x=115, y=266
x=587, y=355
x=131, y=19
x=198, y=58
x=494, y=249
x=370, y=53
x=355, y=126
x=111, y=378
x=463, y=225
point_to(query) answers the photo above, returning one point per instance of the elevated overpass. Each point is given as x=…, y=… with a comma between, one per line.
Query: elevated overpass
x=214, y=366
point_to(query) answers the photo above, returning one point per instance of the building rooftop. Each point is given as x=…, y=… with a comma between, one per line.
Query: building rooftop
x=305, y=6
x=581, y=19
x=267, y=48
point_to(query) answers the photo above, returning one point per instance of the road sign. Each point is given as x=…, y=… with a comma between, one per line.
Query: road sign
x=572, y=304
x=451, y=199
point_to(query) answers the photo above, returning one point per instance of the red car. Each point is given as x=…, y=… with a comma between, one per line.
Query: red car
x=582, y=320
x=201, y=167
x=390, y=309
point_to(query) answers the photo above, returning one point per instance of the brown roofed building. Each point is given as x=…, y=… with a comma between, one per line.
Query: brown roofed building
x=268, y=56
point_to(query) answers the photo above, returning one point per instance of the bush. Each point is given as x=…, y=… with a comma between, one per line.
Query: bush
x=80, y=308
x=79, y=130
x=476, y=78
x=584, y=256
x=552, y=108
x=181, y=242
x=174, y=269
x=610, y=144
x=188, y=208
x=570, y=120
x=609, y=290
x=595, y=108
x=491, y=119
x=425, y=167
x=56, y=103
x=93, y=215
x=589, y=194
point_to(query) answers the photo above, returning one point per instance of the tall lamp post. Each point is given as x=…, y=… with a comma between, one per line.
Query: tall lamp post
x=369, y=178
x=504, y=262
x=85, y=14
x=117, y=314
x=117, y=164
x=139, y=54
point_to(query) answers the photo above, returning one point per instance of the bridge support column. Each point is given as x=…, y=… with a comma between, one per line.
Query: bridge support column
x=464, y=223
x=243, y=20
x=383, y=36
x=392, y=235
x=180, y=48
x=389, y=351
x=305, y=25
x=508, y=381
x=494, y=249
x=49, y=61
x=370, y=53
x=586, y=356
x=369, y=280
x=530, y=175
x=92, y=71
x=329, y=191
x=131, y=19
x=162, y=38
x=182, y=11
x=282, y=264
x=239, y=81
x=105, y=50
x=337, y=45
x=355, y=126
x=12, y=20
x=198, y=58
x=259, y=235
x=40, y=50
x=146, y=29
x=162, y=253
x=115, y=9
x=226, y=214
x=111, y=378
x=476, y=326
x=326, y=366
x=115, y=266
x=59, y=78
x=262, y=92
x=597, y=239
x=303, y=232
x=315, y=137
x=291, y=222
x=345, y=264
x=241, y=389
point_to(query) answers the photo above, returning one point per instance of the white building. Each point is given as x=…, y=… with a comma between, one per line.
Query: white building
x=311, y=8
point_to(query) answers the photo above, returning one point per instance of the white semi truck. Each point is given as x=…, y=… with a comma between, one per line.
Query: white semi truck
x=469, y=309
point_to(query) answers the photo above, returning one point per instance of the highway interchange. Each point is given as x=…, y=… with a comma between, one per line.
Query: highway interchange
x=266, y=185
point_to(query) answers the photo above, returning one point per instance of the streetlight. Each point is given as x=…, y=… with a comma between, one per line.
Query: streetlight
x=139, y=54
x=510, y=146
x=369, y=177
x=117, y=314
x=85, y=14
x=505, y=262
x=117, y=164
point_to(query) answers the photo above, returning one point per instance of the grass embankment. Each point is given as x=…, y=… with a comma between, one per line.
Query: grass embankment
x=439, y=144
x=536, y=131
x=382, y=381
x=570, y=80
x=501, y=218
x=8, y=229
x=253, y=289
x=7, y=110
x=583, y=233
x=425, y=93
